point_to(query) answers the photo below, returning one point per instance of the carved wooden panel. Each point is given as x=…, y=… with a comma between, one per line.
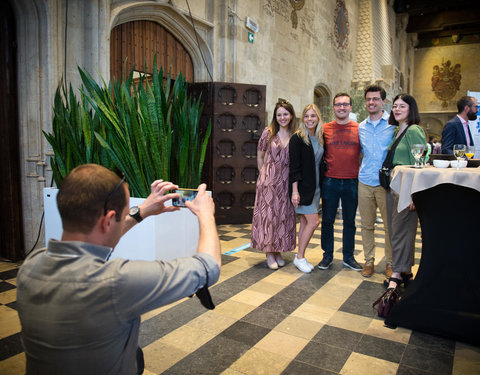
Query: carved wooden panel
x=237, y=113
x=249, y=149
x=250, y=174
x=227, y=95
x=225, y=148
x=252, y=97
x=226, y=122
x=252, y=124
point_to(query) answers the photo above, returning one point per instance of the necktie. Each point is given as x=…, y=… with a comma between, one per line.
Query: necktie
x=467, y=135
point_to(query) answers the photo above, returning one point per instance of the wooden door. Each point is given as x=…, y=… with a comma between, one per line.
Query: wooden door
x=134, y=43
x=11, y=229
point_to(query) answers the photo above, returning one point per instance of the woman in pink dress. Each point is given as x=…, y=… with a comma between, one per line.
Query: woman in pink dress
x=273, y=223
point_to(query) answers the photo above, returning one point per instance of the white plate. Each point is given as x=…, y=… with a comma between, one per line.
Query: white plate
x=463, y=163
x=441, y=163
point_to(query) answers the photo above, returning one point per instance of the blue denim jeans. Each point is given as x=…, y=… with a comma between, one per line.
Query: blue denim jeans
x=334, y=189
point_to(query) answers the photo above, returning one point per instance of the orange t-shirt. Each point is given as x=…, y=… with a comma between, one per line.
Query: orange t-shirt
x=342, y=149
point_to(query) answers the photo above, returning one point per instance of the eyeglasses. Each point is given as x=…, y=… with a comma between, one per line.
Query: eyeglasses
x=376, y=99
x=111, y=194
x=282, y=101
x=342, y=104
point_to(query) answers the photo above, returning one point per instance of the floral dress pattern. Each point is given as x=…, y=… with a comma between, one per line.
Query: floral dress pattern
x=273, y=223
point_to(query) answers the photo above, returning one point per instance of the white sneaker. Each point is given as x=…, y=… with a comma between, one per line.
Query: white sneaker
x=309, y=264
x=302, y=265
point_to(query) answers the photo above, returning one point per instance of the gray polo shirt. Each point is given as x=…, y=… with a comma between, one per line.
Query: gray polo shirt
x=80, y=313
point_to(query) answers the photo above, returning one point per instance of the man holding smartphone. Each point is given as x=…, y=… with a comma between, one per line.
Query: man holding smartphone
x=80, y=312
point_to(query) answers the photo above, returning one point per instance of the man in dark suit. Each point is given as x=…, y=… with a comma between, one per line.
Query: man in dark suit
x=456, y=131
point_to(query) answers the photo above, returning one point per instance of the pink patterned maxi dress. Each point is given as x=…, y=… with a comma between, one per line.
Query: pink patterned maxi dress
x=273, y=223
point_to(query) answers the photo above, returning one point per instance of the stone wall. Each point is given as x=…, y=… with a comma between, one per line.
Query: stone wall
x=299, y=46
x=289, y=58
x=436, y=112
x=467, y=55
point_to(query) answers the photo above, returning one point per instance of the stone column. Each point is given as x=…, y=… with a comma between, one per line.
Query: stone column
x=363, y=68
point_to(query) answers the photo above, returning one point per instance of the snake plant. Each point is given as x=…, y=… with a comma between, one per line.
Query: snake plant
x=148, y=129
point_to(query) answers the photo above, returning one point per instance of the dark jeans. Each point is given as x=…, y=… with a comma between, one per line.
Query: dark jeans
x=334, y=189
x=140, y=361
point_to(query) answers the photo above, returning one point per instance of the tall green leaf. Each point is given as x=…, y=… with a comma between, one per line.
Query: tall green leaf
x=149, y=129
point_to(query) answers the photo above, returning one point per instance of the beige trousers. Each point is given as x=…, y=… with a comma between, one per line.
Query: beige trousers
x=369, y=198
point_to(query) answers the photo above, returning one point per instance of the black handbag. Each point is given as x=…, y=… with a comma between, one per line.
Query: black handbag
x=384, y=177
x=385, y=172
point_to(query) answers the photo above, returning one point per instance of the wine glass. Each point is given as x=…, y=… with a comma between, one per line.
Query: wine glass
x=459, y=151
x=417, y=152
x=426, y=153
x=470, y=152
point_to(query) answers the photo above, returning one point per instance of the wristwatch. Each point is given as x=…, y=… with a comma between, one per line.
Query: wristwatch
x=135, y=213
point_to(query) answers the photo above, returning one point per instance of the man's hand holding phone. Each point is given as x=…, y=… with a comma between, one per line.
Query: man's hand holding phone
x=197, y=200
x=202, y=204
x=184, y=195
x=155, y=202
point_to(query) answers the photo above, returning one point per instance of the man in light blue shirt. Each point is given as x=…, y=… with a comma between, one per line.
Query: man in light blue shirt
x=375, y=135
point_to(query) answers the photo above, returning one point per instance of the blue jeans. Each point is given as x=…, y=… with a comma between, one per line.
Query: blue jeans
x=334, y=189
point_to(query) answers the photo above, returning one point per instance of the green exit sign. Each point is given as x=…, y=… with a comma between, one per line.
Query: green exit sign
x=250, y=37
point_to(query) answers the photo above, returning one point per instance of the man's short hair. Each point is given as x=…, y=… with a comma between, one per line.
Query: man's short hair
x=376, y=88
x=342, y=94
x=85, y=194
x=463, y=102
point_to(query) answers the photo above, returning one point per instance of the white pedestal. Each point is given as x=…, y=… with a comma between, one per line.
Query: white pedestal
x=166, y=236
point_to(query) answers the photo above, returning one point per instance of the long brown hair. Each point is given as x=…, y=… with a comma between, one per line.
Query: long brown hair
x=274, y=125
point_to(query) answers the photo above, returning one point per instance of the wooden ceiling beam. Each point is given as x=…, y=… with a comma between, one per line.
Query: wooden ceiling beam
x=438, y=22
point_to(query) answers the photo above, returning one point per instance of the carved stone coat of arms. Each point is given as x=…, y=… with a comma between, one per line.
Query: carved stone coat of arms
x=446, y=81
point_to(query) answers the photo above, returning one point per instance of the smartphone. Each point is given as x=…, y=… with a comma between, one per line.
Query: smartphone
x=185, y=195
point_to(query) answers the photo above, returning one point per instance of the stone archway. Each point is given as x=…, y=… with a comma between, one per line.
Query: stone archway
x=322, y=97
x=179, y=26
x=34, y=66
x=432, y=125
x=43, y=57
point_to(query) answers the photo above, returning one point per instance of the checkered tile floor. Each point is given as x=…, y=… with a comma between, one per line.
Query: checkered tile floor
x=273, y=322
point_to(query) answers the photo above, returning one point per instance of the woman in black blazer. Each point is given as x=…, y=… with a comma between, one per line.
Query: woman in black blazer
x=306, y=152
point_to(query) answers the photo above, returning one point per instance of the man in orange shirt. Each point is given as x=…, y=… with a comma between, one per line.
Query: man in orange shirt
x=342, y=152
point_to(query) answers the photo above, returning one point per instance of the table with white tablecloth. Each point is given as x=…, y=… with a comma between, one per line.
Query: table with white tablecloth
x=444, y=298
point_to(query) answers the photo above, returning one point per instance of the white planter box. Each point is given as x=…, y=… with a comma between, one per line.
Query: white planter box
x=166, y=236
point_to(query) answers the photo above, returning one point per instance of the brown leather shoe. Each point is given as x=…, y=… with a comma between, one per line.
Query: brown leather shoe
x=367, y=269
x=388, y=270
